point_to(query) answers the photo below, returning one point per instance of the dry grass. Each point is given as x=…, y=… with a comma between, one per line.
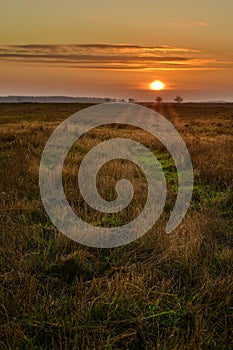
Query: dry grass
x=159, y=292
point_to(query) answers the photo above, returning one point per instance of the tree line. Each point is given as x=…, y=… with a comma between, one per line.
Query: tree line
x=178, y=99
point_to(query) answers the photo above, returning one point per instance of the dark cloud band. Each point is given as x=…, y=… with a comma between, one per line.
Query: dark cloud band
x=111, y=56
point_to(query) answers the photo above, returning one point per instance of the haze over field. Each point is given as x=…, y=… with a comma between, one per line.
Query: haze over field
x=117, y=48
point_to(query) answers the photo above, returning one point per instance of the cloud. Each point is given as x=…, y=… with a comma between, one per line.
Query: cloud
x=112, y=56
x=189, y=24
x=201, y=24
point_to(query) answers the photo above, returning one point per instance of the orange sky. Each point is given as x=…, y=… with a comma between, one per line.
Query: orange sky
x=117, y=48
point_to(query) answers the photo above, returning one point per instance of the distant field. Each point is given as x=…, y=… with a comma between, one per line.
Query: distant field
x=159, y=292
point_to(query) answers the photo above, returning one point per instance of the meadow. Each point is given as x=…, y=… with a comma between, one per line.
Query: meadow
x=161, y=291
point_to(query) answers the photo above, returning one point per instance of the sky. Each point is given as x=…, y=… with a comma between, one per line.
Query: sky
x=116, y=48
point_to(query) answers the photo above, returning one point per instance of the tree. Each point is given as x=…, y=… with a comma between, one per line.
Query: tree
x=131, y=100
x=158, y=99
x=178, y=99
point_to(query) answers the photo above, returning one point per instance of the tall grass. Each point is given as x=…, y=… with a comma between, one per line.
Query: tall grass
x=159, y=292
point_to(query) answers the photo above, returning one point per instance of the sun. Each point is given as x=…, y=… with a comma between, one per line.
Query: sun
x=157, y=85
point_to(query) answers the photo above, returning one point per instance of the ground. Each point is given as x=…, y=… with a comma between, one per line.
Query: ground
x=159, y=292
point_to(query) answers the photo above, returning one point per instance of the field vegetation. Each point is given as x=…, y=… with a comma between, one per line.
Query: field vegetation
x=160, y=292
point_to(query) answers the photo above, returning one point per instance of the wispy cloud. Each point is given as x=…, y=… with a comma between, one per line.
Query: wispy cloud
x=113, y=56
x=202, y=24
x=183, y=24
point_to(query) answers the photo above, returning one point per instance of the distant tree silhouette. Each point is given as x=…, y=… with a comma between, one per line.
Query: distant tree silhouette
x=178, y=99
x=131, y=100
x=158, y=99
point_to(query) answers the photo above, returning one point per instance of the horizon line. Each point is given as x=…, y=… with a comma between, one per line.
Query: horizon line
x=111, y=99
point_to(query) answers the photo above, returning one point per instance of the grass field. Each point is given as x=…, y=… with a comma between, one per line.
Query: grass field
x=159, y=292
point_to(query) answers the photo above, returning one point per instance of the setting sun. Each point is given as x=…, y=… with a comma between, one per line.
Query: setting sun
x=157, y=85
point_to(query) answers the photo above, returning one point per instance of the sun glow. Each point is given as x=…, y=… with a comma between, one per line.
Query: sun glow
x=157, y=85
